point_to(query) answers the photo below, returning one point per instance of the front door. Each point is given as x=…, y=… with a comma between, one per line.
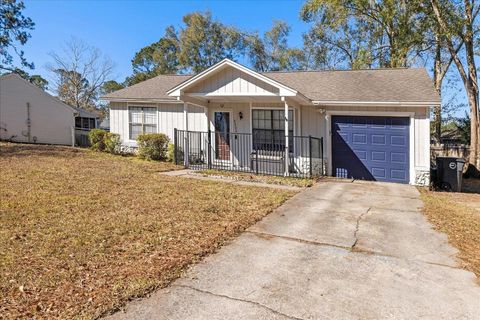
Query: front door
x=222, y=135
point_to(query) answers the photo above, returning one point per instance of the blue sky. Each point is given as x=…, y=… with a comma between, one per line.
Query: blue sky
x=121, y=28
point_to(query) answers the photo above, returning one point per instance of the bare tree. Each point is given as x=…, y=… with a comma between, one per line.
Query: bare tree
x=80, y=71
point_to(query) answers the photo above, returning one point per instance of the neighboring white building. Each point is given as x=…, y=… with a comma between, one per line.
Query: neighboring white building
x=29, y=114
x=373, y=124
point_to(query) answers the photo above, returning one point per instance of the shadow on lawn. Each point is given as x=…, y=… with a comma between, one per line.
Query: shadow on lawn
x=471, y=185
x=27, y=150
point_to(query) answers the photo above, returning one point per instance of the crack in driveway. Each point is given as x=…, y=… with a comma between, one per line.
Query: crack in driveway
x=238, y=299
x=316, y=243
x=357, y=227
x=346, y=248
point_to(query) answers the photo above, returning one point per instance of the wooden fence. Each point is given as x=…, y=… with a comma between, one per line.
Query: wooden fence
x=446, y=150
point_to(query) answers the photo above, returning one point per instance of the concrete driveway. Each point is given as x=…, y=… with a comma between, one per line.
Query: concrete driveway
x=339, y=250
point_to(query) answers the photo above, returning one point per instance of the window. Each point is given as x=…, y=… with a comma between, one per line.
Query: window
x=92, y=122
x=142, y=120
x=85, y=123
x=268, y=129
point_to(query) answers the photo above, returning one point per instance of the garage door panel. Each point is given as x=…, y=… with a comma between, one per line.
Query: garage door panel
x=371, y=148
x=359, y=138
x=361, y=154
x=398, y=157
x=398, y=141
x=378, y=139
x=398, y=175
x=379, y=172
x=379, y=156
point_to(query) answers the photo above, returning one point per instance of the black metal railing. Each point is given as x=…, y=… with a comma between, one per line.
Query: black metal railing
x=245, y=152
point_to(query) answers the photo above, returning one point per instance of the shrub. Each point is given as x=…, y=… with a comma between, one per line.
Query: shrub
x=97, y=139
x=152, y=146
x=171, y=152
x=112, y=142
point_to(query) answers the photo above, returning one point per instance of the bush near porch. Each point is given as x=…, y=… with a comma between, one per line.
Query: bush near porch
x=82, y=232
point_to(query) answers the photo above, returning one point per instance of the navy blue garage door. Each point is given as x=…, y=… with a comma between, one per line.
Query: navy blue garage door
x=371, y=148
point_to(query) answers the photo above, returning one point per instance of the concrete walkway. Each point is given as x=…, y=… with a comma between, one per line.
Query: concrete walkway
x=338, y=250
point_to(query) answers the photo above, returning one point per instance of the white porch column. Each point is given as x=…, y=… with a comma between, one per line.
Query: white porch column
x=287, y=162
x=185, y=127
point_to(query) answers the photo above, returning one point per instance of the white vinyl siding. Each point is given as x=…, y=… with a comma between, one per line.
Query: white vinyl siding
x=141, y=120
x=231, y=81
x=168, y=116
x=51, y=121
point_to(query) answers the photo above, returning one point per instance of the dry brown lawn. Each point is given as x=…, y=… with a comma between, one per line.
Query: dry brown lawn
x=81, y=232
x=458, y=215
x=243, y=176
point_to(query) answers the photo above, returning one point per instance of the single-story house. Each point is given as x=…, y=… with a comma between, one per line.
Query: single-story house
x=29, y=114
x=362, y=124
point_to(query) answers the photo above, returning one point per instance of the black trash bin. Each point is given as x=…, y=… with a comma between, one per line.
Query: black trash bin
x=449, y=173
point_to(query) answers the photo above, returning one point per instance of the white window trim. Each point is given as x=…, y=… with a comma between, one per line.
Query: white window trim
x=272, y=108
x=143, y=120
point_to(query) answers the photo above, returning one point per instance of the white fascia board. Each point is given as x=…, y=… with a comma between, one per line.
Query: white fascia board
x=139, y=100
x=377, y=103
x=178, y=90
x=239, y=94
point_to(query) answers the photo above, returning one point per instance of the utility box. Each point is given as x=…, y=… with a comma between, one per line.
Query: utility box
x=449, y=173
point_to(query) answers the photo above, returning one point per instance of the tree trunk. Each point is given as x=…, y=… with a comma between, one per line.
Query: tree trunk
x=437, y=80
x=472, y=86
x=469, y=74
x=474, y=130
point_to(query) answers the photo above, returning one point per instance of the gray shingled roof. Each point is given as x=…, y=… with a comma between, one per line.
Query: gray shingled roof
x=155, y=88
x=375, y=85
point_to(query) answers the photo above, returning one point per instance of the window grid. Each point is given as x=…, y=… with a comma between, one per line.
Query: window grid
x=268, y=128
x=85, y=123
x=142, y=120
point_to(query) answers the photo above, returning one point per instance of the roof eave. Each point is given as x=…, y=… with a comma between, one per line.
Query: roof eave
x=123, y=99
x=378, y=103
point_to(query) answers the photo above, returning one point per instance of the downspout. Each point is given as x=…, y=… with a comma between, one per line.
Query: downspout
x=29, y=124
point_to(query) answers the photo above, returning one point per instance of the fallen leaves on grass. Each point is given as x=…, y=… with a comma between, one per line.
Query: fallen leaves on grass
x=457, y=215
x=243, y=176
x=82, y=232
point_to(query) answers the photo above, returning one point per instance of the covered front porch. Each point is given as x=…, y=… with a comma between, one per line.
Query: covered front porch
x=249, y=152
x=253, y=124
